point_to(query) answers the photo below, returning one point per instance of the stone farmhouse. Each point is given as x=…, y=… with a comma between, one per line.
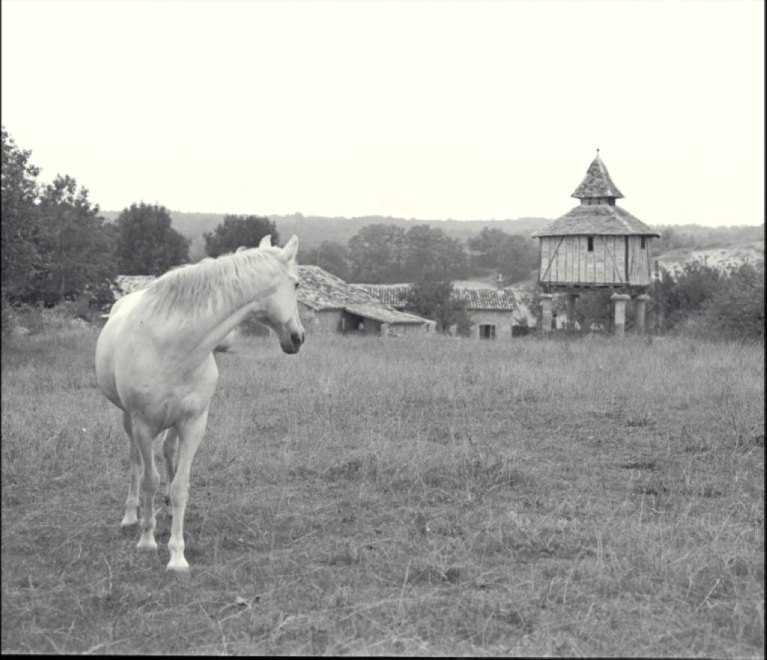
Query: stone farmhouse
x=494, y=313
x=328, y=304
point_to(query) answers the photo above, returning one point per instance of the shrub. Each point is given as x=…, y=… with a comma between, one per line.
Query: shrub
x=736, y=309
x=8, y=319
x=681, y=295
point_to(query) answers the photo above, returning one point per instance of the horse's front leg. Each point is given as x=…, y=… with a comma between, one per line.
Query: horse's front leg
x=190, y=433
x=169, y=450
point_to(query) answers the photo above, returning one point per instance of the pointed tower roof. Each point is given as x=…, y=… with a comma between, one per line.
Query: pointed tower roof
x=597, y=218
x=597, y=182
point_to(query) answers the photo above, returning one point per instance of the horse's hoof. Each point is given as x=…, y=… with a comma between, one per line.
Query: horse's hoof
x=146, y=544
x=178, y=571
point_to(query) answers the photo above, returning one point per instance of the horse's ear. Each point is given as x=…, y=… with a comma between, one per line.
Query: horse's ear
x=291, y=248
x=266, y=241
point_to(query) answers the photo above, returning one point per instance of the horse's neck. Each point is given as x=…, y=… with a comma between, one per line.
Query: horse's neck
x=211, y=334
x=201, y=330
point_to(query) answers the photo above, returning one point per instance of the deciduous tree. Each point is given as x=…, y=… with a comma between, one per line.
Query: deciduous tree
x=331, y=256
x=375, y=254
x=239, y=231
x=76, y=246
x=20, y=256
x=430, y=254
x=434, y=300
x=513, y=256
x=147, y=244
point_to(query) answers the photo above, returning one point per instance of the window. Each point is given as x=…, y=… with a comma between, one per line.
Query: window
x=591, y=243
x=487, y=332
x=643, y=242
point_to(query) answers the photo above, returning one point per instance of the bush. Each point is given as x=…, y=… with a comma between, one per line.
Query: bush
x=23, y=319
x=681, y=295
x=736, y=310
x=8, y=319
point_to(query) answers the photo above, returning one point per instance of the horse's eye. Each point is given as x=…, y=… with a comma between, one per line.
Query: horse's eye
x=296, y=285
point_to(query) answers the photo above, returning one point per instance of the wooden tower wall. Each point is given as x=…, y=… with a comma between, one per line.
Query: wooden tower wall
x=614, y=260
x=639, y=260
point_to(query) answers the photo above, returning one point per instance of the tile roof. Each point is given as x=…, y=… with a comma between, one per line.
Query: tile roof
x=392, y=295
x=597, y=219
x=321, y=290
x=486, y=299
x=597, y=182
x=395, y=295
x=379, y=312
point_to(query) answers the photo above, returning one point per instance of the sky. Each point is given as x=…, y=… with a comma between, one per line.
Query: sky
x=423, y=109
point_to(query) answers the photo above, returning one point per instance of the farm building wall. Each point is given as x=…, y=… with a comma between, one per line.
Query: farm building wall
x=324, y=321
x=331, y=321
x=501, y=321
x=356, y=323
x=567, y=259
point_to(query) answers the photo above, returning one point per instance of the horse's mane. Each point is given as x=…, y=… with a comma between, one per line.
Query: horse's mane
x=230, y=280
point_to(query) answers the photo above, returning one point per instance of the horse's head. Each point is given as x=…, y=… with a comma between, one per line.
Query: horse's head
x=280, y=310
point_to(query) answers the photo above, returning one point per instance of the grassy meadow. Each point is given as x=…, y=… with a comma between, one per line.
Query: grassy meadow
x=421, y=496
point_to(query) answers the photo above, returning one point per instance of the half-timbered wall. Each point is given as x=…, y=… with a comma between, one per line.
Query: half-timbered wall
x=613, y=260
x=640, y=262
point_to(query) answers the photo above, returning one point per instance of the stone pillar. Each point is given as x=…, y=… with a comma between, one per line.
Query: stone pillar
x=546, y=312
x=641, y=304
x=619, y=300
x=571, y=311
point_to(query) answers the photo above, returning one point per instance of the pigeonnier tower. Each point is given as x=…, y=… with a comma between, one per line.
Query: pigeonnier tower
x=597, y=244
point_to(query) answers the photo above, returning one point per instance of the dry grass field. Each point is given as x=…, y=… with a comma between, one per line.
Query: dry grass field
x=408, y=497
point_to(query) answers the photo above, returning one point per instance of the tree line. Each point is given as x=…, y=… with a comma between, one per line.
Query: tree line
x=57, y=247
x=385, y=253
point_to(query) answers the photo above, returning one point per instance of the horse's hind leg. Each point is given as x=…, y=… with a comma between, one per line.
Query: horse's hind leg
x=143, y=439
x=134, y=470
x=170, y=452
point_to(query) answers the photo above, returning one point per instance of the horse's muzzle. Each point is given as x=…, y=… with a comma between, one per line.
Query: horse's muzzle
x=296, y=339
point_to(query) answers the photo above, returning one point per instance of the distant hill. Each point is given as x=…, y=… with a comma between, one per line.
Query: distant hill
x=678, y=243
x=312, y=230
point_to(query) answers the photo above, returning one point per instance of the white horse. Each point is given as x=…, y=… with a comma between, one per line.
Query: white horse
x=154, y=361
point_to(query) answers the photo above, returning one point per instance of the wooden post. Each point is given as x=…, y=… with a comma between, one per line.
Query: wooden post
x=641, y=304
x=571, y=311
x=546, y=312
x=619, y=300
